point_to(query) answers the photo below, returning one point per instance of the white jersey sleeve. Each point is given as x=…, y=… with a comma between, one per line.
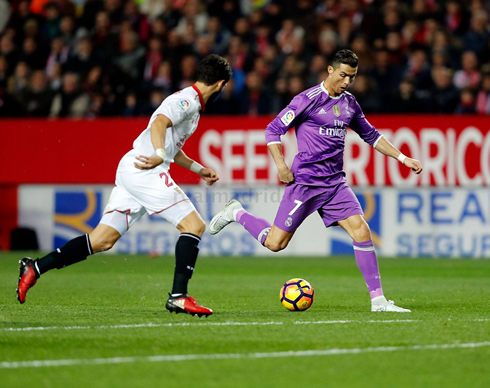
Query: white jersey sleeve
x=177, y=108
x=182, y=108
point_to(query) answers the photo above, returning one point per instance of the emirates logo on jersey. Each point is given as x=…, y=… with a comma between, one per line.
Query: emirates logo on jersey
x=336, y=110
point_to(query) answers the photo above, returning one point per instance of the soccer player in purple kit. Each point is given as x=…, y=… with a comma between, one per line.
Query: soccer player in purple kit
x=316, y=180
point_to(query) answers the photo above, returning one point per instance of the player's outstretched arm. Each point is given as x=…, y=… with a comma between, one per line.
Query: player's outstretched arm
x=208, y=174
x=158, y=130
x=388, y=149
x=285, y=174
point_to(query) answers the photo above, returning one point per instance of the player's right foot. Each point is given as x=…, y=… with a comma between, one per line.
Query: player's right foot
x=380, y=304
x=225, y=216
x=27, y=278
x=186, y=304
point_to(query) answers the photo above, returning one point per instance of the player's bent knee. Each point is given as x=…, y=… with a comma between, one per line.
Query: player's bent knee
x=274, y=246
x=200, y=228
x=362, y=234
x=102, y=245
x=197, y=227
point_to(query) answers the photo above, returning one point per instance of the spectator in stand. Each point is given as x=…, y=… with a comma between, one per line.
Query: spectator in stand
x=456, y=18
x=202, y=47
x=405, y=99
x=281, y=97
x=255, y=100
x=444, y=95
x=366, y=94
x=7, y=50
x=345, y=34
x=193, y=13
x=292, y=67
x=59, y=54
x=243, y=30
x=317, y=65
x=93, y=82
x=131, y=57
x=146, y=44
x=152, y=60
x=476, y=39
x=153, y=9
x=51, y=28
x=395, y=49
x=4, y=67
x=483, y=98
x=188, y=68
x=55, y=77
x=218, y=36
x=418, y=69
x=19, y=83
x=467, y=102
x=83, y=59
x=443, y=44
x=147, y=108
x=37, y=100
x=68, y=33
x=469, y=75
x=31, y=55
x=327, y=42
x=102, y=36
x=132, y=107
x=360, y=46
x=386, y=75
x=288, y=31
x=114, y=9
x=163, y=80
x=296, y=86
x=139, y=22
x=70, y=101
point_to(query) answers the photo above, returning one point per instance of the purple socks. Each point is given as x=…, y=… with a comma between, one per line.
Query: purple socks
x=256, y=226
x=368, y=265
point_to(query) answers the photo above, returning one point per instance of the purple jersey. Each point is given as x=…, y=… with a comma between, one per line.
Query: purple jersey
x=321, y=124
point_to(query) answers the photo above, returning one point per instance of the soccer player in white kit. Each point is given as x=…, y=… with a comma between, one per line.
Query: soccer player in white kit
x=144, y=185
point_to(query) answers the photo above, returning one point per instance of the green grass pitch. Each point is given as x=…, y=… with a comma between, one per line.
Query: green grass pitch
x=106, y=318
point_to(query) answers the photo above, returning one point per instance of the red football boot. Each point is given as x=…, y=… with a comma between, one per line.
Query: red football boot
x=27, y=278
x=187, y=304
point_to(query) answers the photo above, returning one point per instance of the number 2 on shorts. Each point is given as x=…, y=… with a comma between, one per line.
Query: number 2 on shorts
x=298, y=204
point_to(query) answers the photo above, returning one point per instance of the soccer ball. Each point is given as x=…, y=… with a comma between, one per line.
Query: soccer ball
x=297, y=295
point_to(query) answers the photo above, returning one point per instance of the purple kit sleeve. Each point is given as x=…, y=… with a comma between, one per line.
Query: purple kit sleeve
x=286, y=119
x=363, y=128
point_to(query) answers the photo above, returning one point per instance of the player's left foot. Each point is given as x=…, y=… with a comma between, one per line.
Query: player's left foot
x=380, y=304
x=188, y=305
x=27, y=278
x=225, y=216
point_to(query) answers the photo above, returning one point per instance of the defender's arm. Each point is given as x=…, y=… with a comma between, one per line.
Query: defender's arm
x=388, y=149
x=208, y=174
x=158, y=130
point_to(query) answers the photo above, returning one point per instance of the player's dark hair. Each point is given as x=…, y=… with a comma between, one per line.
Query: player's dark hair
x=212, y=69
x=346, y=57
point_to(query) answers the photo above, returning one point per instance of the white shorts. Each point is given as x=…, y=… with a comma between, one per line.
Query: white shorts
x=144, y=191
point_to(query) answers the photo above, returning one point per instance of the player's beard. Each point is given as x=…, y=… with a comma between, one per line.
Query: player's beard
x=214, y=96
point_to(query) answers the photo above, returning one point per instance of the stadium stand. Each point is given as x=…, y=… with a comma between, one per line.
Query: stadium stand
x=94, y=58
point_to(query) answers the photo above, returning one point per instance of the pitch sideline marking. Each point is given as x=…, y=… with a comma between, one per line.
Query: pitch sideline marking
x=145, y=325
x=142, y=325
x=227, y=356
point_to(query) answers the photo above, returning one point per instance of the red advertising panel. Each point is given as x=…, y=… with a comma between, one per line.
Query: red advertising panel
x=454, y=150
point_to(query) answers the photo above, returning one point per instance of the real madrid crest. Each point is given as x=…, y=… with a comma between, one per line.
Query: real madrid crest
x=336, y=110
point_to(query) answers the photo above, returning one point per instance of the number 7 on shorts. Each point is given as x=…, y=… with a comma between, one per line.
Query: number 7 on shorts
x=298, y=204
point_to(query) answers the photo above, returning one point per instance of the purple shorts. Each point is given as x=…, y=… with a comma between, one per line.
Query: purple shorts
x=299, y=201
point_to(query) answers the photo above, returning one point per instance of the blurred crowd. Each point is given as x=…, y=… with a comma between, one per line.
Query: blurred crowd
x=95, y=58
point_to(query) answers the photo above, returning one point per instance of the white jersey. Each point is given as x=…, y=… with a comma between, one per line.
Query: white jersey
x=182, y=108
